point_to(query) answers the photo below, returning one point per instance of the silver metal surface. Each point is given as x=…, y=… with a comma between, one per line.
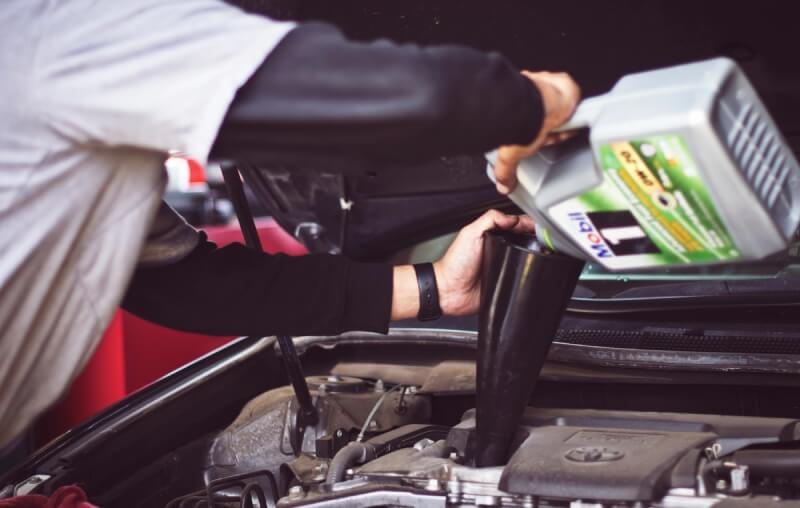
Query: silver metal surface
x=30, y=485
x=584, y=504
x=464, y=486
x=593, y=454
x=673, y=500
x=740, y=479
x=308, y=229
x=451, y=485
x=423, y=443
x=404, y=336
x=337, y=384
x=7, y=491
x=367, y=498
x=479, y=486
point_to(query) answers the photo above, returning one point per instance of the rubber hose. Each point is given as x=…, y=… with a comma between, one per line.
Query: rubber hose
x=353, y=453
x=770, y=462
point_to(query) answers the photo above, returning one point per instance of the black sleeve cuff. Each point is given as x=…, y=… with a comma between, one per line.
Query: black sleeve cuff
x=368, y=297
x=532, y=115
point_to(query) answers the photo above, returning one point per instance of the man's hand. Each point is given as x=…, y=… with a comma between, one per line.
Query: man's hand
x=560, y=96
x=458, y=273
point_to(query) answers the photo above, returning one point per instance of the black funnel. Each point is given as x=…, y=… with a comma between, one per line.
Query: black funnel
x=524, y=291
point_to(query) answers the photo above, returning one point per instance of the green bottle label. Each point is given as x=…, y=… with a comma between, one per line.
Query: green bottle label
x=651, y=210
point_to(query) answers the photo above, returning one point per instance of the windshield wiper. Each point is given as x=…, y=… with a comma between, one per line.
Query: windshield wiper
x=688, y=294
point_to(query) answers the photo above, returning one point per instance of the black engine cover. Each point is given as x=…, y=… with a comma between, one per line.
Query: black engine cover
x=588, y=463
x=618, y=455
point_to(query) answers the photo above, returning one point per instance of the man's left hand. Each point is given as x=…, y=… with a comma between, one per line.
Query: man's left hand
x=458, y=273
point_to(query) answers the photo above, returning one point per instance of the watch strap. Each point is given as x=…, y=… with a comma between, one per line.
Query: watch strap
x=429, y=308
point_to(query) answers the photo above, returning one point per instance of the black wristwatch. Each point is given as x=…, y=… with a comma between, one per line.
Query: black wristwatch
x=428, y=293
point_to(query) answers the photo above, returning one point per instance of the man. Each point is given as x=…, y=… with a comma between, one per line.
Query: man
x=94, y=93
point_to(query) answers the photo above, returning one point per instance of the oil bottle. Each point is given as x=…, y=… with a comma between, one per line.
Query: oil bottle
x=681, y=166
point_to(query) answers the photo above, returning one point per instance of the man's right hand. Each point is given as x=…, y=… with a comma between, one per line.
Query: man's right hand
x=560, y=96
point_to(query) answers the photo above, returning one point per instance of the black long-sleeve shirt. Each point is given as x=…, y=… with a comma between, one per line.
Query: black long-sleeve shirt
x=320, y=93
x=235, y=290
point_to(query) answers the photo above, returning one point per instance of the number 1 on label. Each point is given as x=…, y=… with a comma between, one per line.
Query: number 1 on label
x=616, y=235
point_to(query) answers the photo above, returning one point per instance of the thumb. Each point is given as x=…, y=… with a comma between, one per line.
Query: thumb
x=505, y=168
x=495, y=219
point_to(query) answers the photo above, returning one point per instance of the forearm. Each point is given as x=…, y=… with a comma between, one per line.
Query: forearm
x=405, y=293
x=239, y=291
x=320, y=93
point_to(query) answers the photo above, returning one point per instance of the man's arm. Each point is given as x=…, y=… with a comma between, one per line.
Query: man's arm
x=239, y=291
x=235, y=290
x=321, y=93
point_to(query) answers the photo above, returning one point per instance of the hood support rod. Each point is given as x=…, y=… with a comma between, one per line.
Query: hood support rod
x=306, y=413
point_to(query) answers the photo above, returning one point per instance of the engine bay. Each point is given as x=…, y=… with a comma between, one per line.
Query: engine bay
x=377, y=444
x=591, y=435
x=409, y=419
x=350, y=439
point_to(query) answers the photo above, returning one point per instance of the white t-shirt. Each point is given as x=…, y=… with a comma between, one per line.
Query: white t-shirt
x=92, y=95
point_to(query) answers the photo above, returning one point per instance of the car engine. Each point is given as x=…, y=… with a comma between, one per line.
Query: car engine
x=376, y=445
x=351, y=440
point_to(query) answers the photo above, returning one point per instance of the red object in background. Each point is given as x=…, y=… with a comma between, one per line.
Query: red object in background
x=68, y=496
x=197, y=173
x=135, y=352
x=100, y=384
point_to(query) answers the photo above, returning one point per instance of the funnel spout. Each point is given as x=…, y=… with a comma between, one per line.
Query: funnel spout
x=524, y=291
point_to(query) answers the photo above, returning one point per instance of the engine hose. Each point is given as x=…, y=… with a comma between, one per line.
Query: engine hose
x=770, y=462
x=352, y=454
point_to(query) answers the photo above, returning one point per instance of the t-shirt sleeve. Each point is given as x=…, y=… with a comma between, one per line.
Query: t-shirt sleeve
x=150, y=74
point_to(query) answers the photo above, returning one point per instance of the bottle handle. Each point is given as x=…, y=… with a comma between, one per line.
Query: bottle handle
x=520, y=195
x=585, y=114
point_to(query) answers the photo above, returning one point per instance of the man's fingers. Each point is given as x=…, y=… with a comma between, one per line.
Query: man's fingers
x=524, y=225
x=505, y=170
x=560, y=95
x=559, y=137
x=494, y=219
